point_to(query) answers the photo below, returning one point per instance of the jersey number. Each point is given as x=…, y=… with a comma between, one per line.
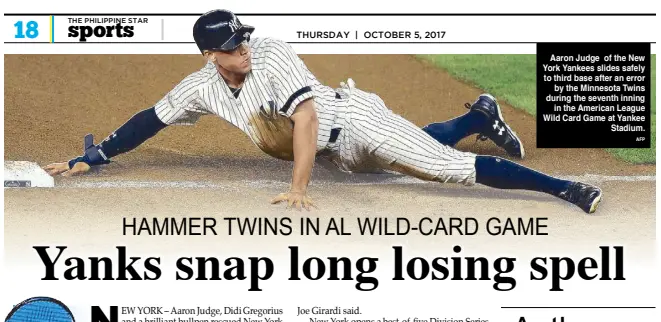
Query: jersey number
x=31, y=30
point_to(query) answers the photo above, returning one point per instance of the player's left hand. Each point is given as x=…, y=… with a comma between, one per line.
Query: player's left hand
x=296, y=199
x=54, y=169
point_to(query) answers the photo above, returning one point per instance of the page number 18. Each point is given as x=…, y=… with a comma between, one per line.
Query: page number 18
x=30, y=32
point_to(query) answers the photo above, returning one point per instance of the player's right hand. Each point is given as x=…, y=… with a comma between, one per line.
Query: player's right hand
x=295, y=200
x=54, y=169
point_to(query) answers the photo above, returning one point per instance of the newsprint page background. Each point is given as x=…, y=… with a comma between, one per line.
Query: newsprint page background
x=58, y=89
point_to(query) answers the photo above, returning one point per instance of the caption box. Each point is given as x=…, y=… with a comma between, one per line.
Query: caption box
x=593, y=95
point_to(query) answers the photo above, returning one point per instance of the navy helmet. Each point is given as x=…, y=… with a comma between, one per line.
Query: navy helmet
x=220, y=30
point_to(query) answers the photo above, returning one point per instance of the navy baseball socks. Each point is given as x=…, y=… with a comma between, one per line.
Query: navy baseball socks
x=452, y=131
x=499, y=173
x=484, y=118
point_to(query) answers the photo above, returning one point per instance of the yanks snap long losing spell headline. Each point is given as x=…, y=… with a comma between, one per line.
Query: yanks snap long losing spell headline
x=257, y=269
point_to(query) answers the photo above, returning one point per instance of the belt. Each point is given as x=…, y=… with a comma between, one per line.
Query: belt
x=335, y=132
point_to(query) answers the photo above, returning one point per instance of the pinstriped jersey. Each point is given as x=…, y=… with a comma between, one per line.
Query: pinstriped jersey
x=276, y=84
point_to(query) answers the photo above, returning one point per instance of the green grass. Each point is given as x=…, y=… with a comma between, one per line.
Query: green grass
x=512, y=79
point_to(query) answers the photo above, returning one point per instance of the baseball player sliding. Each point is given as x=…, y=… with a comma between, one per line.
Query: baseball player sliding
x=262, y=87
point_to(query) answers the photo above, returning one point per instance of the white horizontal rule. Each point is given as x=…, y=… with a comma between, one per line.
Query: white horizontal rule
x=525, y=29
x=132, y=6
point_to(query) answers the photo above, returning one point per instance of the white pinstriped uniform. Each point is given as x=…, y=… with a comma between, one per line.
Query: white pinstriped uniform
x=371, y=138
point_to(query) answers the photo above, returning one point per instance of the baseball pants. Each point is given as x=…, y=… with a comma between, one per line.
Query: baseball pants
x=373, y=139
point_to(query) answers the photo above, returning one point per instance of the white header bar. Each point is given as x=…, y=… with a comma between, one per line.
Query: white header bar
x=366, y=33
x=340, y=6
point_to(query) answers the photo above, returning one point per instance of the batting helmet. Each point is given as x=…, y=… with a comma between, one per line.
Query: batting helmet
x=220, y=30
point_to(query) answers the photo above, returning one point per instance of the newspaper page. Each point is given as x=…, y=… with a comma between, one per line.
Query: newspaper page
x=345, y=161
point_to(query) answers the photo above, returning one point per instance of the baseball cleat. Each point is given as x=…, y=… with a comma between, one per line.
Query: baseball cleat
x=497, y=130
x=585, y=196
